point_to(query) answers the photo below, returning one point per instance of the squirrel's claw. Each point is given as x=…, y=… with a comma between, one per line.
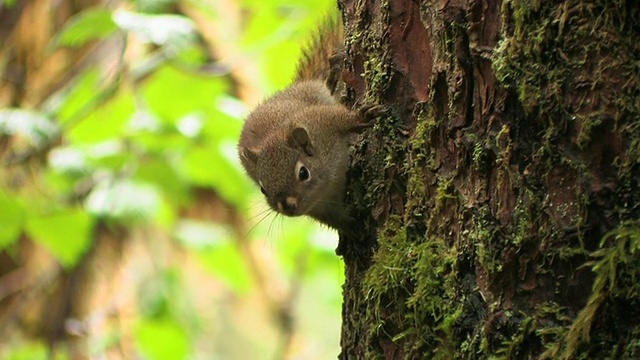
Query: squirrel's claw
x=366, y=116
x=369, y=112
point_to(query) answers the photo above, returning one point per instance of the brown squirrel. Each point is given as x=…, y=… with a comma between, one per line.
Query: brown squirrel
x=295, y=145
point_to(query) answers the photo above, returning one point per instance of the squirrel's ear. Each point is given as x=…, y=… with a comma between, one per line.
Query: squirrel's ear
x=298, y=138
x=248, y=154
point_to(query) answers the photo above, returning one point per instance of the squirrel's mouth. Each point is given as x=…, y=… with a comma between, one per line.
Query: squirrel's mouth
x=288, y=206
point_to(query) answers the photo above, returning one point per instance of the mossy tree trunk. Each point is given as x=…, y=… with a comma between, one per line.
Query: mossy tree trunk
x=499, y=196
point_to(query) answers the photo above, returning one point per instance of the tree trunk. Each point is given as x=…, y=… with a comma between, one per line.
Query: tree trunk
x=499, y=195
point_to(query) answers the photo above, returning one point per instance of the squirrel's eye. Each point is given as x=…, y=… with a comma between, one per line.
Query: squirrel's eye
x=303, y=174
x=263, y=191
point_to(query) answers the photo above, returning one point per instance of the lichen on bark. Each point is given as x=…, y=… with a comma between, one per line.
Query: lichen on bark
x=500, y=193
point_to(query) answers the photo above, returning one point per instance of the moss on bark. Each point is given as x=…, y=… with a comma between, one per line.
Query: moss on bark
x=500, y=194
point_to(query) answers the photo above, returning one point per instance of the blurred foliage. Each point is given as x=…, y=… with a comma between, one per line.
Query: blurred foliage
x=130, y=142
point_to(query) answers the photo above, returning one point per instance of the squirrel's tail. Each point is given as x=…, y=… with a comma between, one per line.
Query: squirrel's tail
x=323, y=57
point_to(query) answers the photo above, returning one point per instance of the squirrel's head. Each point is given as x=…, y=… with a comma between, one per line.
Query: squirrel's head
x=289, y=173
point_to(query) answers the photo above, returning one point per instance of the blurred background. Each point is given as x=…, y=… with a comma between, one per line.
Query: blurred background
x=127, y=227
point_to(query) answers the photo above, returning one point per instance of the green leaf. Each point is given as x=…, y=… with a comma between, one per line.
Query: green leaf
x=8, y=3
x=26, y=351
x=37, y=128
x=110, y=154
x=66, y=234
x=82, y=159
x=165, y=144
x=174, y=32
x=226, y=264
x=172, y=94
x=161, y=339
x=201, y=235
x=87, y=25
x=213, y=245
x=67, y=159
x=154, y=6
x=106, y=122
x=212, y=167
x=83, y=91
x=225, y=123
x=162, y=175
x=124, y=199
x=11, y=220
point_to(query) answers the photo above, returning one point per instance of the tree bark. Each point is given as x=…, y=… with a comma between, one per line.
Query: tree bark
x=499, y=196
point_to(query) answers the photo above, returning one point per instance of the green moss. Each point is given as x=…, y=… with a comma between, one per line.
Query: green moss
x=543, y=60
x=617, y=270
x=376, y=70
x=499, y=229
x=488, y=244
x=418, y=287
x=413, y=302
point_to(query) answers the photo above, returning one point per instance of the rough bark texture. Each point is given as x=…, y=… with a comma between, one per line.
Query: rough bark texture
x=499, y=196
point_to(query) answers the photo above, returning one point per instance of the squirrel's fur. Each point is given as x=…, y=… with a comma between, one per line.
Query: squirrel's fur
x=322, y=58
x=295, y=145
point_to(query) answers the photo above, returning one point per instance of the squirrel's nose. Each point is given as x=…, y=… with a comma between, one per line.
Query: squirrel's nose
x=288, y=205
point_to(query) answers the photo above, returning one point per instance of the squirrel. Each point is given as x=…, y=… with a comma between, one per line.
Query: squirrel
x=295, y=144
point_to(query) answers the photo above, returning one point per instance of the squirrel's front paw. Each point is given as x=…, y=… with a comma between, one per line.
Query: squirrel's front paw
x=369, y=112
x=366, y=116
